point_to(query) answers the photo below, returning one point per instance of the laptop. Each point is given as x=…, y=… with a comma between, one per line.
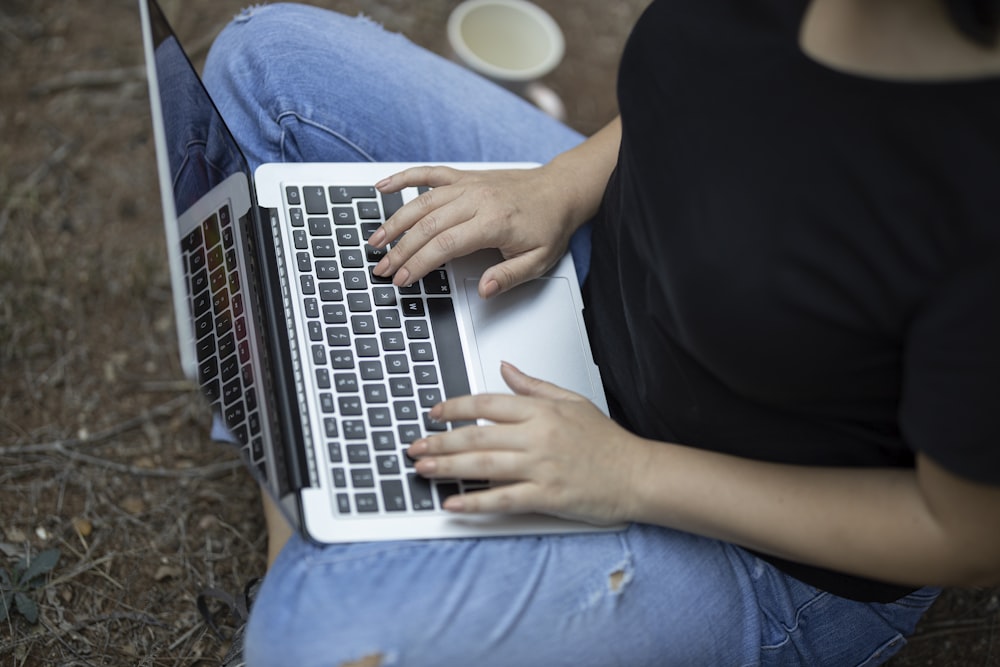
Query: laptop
x=322, y=372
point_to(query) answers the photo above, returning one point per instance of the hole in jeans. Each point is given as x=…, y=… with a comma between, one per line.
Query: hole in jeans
x=373, y=660
x=616, y=580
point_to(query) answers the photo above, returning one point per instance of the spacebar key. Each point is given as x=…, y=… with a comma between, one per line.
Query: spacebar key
x=449, y=347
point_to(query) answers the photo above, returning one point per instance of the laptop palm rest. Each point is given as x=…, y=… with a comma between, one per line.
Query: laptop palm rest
x=532, y=326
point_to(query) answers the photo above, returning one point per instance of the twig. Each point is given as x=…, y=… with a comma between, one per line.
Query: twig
x=206, y=472
x=62, y=446
x=92, y=79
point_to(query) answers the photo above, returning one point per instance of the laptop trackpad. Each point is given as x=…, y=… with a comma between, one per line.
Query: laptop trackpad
x=534, y=327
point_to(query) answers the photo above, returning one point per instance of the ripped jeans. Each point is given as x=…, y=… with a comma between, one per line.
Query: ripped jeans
x=301, y=84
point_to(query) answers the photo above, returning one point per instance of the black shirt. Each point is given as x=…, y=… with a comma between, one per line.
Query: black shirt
x=794, y=264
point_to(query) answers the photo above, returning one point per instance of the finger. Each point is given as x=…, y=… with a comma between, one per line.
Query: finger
x=526, y=385
x=511, y=272
x=410, y=214
x=431, y=175
x=492, y=465
x=443, y=234
x=498, y=408
x=507, y=498
x=469, y=439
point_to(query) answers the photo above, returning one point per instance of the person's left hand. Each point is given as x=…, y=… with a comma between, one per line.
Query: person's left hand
x=552, y=451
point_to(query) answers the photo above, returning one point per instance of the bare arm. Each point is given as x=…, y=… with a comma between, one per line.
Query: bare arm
x=918, y=527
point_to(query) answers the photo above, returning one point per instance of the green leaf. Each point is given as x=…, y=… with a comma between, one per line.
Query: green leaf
x=27, y=607
x=41, y=564
x=6, y=600
x=4, y=578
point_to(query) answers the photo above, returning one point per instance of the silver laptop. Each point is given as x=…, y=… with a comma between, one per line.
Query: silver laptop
x=322, y=372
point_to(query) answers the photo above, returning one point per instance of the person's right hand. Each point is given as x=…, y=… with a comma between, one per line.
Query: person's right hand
x=521, y=212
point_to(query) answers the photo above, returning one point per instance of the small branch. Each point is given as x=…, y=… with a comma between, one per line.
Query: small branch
x=92, y=79
x=201, y=472
x=62, y=446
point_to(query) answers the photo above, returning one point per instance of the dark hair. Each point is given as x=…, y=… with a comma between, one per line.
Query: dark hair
x=979, y=20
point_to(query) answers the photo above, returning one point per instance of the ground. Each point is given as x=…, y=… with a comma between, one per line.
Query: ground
x=103, y=448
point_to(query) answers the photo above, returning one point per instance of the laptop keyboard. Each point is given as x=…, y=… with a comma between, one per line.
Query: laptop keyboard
x=219, y=307
x=381, y=356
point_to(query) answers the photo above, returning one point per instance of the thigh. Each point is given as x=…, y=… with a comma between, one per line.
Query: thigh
x=298, y=83
x=646, y=596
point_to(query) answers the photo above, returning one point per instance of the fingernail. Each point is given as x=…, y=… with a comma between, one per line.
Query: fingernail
x=492, y=288
x=402, y=278
x=417, y=448
x=383, y=183
x=382, y=268
x=454, y=503
x=426, y=466
x=378, y=238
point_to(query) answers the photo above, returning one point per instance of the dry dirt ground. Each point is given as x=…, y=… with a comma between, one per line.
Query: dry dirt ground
x=103, y=448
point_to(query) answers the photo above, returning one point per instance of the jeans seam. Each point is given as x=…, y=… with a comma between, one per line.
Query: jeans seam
x=281, y=117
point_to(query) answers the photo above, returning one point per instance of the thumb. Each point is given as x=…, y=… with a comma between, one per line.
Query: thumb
x=525, y=385
x=509, y=273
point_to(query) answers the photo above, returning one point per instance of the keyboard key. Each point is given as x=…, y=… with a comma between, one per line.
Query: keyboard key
x=350, y=406
x=343, y=503
x=339, y=478
x=366, y=503
x=413, y=307
x=384, y=441
x=292, y=196
x=420, y=492
x=369, y=210
x=345, y=195
x=338, y=337
x=436, y=282
x=421, y=351
x=362, y=478
x=359, y=302
x=346, y=382
x=429, y=397
x=343, y=215
x=396, y=364
x=327, y=269
x=315, y=199
x=348, y=236
x=405, y=410
x=352, y=259
x=331, y=290
x=362, y=325
x=320, y=227
x=392, y=495
x=392, y=201
x=324, y=248
x=371, y=370
x=449, y=347
x=326, y=403
x=354, y=429
x=387, y=464
x=392, y=341
x=367, y=347
x=418, y=329
x=296, y=217
x=384, y=296
x=333, y=449
x=376, y=393
x=425, y=375
x=322, y=378
x=379, y=417
x=358, y=454
x=335, y=313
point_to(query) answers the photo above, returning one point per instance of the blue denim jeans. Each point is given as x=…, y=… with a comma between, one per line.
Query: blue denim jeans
x=301, y=84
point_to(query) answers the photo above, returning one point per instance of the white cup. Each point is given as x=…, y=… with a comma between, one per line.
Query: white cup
x=512, y=42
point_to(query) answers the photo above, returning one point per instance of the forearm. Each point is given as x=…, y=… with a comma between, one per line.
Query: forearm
x=877, y=523
x=582, y=172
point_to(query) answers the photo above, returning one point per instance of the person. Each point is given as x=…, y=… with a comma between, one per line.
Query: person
x=792, y=296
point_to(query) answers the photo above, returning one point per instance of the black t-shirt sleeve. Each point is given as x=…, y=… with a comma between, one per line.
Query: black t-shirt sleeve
x=950, y=403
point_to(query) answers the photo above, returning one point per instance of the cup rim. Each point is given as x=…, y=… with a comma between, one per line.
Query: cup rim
x=461, y=49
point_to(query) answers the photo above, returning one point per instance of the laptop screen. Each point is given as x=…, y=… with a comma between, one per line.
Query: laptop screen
x=201, y=151
x=213, y=238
